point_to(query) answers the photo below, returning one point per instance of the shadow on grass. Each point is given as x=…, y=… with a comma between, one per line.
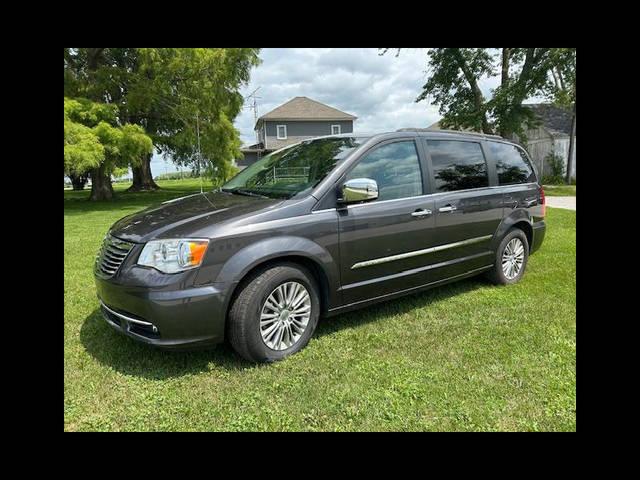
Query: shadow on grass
x=130, y=357
x=399, y=306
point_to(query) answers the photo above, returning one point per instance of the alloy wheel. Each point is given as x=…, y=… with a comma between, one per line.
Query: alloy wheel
x=285, y=315
x=513, y=258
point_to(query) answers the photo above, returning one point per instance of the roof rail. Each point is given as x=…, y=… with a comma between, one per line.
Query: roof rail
x=458, y=132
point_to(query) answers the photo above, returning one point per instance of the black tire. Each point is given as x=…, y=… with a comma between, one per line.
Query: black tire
x=243, y=322
x=496, y=275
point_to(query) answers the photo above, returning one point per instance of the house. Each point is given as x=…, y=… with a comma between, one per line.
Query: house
x=291, y=122
x=551, y=136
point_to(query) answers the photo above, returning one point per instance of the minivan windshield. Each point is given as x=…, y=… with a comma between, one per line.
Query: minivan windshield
x=293, y=171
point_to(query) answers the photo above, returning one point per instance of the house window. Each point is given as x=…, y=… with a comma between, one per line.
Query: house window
x=335, y=129
x=282, y=132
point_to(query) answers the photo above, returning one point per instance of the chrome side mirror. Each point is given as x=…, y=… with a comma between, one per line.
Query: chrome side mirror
x=359, y=190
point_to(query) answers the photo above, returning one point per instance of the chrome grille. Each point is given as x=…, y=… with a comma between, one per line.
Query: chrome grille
x=111, y=255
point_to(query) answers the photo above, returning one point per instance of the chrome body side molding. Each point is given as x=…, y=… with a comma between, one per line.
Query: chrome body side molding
x=415, y=253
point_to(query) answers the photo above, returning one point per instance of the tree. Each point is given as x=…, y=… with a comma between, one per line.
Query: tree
x=172, y=93
x=513, y=118
x=453, y=84
x=93, y=141
x=561, y=89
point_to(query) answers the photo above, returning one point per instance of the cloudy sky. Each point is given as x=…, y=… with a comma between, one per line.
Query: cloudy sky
x=379, y=90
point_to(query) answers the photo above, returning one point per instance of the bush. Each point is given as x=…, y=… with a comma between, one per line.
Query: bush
x=556, y=164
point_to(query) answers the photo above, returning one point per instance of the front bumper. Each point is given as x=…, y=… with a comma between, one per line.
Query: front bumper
x=169, y=317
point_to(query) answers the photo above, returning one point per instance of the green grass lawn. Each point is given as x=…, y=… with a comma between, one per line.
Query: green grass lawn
x=466, y=356
x=560, y=190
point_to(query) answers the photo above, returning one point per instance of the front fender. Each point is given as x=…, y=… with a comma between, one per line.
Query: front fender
x=249, y=257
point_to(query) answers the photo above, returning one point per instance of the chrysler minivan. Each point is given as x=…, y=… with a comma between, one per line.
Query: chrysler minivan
x=318, y=228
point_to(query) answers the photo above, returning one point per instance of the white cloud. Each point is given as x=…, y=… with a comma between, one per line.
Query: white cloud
x=379, y=90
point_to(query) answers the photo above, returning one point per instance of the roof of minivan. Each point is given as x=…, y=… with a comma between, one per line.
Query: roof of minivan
x=420, y=132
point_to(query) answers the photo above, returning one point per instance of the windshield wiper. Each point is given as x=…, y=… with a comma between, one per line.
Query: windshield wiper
x=239, y=191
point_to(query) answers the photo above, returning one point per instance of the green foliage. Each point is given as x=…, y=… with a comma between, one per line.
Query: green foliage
x=92, y=138
x=454, y=74
x=170, y=92
x=528, y=70
x=556, y=164
x=560, y=87
x=82, y=148
x=452, y=85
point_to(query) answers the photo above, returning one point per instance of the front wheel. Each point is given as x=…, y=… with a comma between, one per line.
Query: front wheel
x=511, y=258
x=274, y=314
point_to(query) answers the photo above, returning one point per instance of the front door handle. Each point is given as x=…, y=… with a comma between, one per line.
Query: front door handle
x=421, y=213
x=448, y=208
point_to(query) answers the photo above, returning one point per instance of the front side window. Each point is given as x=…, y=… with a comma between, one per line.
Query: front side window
x=292, y=171
x=394, y=167
x=512, y=164
x=281, y=132
x=457, y=165
x=335, y=129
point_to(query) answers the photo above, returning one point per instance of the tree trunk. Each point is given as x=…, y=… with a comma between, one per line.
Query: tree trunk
x=101, y=188
x=78, y=181
x=506, y=57
x=572, y=141
x=477, y=93
x=142, y=179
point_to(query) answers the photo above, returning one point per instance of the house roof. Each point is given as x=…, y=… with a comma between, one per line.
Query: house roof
x=552, y=118
x=304, y=108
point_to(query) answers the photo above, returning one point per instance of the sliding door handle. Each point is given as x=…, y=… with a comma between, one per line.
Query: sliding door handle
x=448, y=208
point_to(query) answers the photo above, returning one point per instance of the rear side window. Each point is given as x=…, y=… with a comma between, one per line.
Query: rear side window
x=457, y=165
x=512, y=164
x=394, y=167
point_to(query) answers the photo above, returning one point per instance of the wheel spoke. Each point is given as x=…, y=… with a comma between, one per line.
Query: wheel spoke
x=298, y=326
x=302, y=295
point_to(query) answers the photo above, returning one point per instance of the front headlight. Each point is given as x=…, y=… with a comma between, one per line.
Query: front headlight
x=171, y=256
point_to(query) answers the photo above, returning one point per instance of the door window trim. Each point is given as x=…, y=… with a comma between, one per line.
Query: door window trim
x=362, y=156
x=488, y=161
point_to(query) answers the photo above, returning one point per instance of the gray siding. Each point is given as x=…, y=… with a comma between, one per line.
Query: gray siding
x=248, y=159
x=308, y=128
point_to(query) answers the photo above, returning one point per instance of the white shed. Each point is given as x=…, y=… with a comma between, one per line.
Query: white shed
x=552, y=136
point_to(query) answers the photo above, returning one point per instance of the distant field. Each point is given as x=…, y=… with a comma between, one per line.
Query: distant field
x=464, y=357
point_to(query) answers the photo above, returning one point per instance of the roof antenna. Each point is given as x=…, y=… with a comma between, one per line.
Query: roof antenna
x=254, y=107
x=199, y=153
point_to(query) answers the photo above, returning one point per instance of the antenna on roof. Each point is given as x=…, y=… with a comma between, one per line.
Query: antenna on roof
x=254, y=107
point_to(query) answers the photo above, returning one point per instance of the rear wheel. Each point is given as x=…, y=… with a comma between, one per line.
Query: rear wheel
x=275, y=313
x=511, y=258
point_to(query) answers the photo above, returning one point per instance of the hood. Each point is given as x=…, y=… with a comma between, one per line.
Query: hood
x=180, y=216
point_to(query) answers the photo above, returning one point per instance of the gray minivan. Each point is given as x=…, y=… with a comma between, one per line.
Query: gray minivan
x=318, y=228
